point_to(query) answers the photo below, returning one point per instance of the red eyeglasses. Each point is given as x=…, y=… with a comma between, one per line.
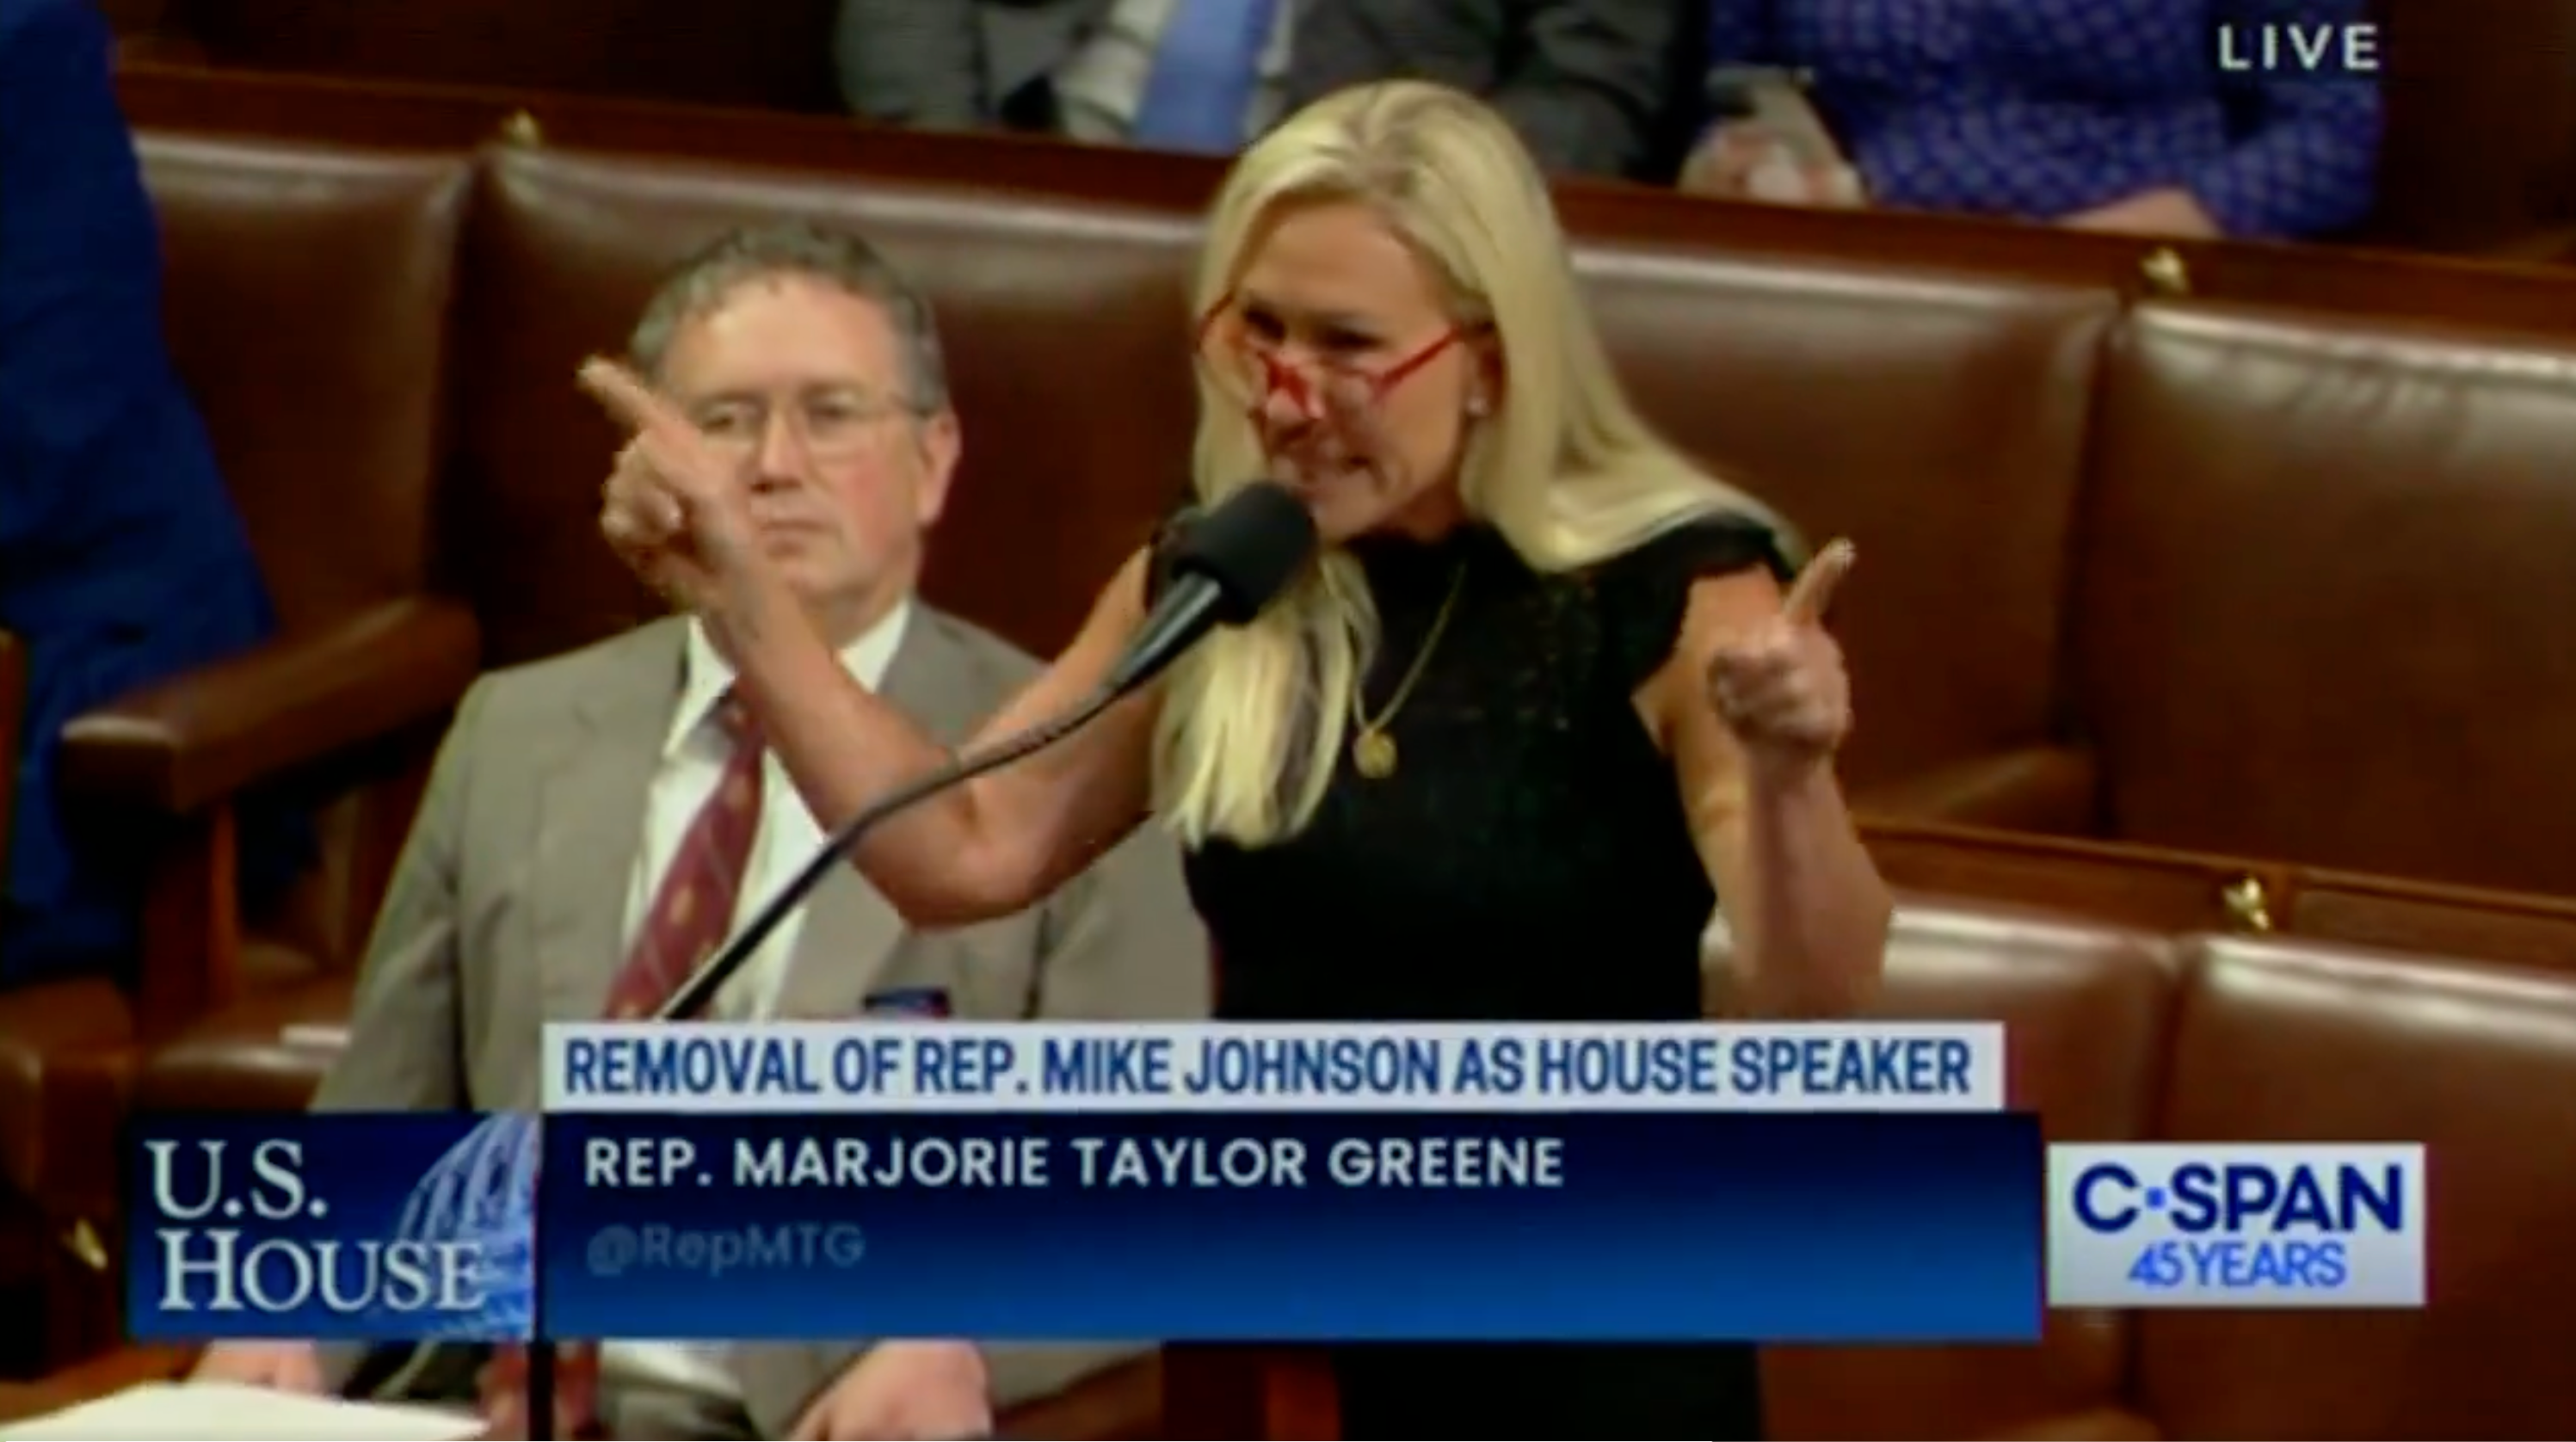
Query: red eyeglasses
x=1251, y=369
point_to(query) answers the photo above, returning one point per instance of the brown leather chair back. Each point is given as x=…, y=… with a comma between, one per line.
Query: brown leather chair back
x=2285, y=1041
x=2326, y=577
x=2086, y=1010
x=308, y=293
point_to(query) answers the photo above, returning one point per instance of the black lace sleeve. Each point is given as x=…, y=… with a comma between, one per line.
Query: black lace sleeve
x=1645, y=593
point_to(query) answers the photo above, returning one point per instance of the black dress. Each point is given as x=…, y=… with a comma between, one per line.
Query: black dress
x=1527, y=860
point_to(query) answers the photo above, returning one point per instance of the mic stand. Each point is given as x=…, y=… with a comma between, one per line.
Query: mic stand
x=694, y=994
x=700, y=989
x=541, y=1389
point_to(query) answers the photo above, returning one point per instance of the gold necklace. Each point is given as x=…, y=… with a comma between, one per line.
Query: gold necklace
x=1372, y=750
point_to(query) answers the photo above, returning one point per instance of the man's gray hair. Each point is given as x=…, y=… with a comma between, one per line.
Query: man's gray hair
x=708, y=278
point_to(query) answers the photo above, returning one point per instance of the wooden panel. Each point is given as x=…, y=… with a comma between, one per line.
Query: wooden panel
x=2109, y=881
x=2184, y=892
x=770, y=55
x=2438, y=920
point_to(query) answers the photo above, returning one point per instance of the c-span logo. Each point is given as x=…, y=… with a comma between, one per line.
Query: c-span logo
x=2192, y=1225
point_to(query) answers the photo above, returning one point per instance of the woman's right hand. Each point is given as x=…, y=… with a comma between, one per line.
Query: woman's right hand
x=671, y=508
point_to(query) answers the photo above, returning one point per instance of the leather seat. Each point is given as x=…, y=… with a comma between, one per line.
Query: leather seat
x=265, y=1053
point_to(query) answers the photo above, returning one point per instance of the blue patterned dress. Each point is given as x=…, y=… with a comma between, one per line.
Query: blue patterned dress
x=2042, y=108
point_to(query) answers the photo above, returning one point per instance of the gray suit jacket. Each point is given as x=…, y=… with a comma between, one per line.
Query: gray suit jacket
x=1591, y=85
x=507, y=908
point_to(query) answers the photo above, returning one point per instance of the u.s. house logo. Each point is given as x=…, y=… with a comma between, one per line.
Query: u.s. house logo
x=246, y=1242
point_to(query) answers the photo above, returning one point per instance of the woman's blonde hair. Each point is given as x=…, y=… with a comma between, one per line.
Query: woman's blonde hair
x=1563, y=468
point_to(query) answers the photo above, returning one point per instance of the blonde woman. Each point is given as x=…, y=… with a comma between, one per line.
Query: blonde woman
x=1542, y=698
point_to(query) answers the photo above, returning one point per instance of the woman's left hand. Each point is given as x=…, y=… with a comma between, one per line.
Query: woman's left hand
x=1781, y=688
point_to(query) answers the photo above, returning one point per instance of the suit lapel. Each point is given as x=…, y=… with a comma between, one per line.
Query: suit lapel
x=850, y=930
x=590, y=819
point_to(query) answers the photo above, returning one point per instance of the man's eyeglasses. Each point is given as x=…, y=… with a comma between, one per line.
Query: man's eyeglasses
x=829, y=425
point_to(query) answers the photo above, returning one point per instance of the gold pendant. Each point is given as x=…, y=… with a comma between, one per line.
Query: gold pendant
x=1373, y=752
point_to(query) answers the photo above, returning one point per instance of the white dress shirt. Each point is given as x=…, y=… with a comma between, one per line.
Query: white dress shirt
x=693, y=761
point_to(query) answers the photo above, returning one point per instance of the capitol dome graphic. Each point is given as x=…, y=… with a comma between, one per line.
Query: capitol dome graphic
x=484, y=1190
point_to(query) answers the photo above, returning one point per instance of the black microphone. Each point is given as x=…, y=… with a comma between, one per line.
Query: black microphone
x=1226, y=566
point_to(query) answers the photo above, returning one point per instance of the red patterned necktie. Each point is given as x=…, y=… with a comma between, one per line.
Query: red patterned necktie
x=693, y=908
x=691, y=914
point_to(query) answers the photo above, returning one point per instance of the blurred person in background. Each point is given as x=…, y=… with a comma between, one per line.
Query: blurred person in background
x=1548, y=691
x=1587, y=83
x=122, y=560
x=2112, y=115
x=599, y=822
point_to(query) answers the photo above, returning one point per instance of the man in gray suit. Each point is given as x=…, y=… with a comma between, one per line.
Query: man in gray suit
x=598, y=821
x=1589, y=84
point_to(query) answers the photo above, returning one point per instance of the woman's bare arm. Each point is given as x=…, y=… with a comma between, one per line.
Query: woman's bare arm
x=990, y=846
x=981, y=849
x=1806, y=905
